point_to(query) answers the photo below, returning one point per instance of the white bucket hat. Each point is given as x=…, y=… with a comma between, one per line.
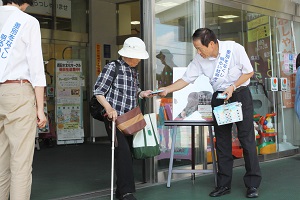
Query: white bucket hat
x=134, y=47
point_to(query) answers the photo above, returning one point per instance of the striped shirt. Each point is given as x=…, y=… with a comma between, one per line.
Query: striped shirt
x=122, y=93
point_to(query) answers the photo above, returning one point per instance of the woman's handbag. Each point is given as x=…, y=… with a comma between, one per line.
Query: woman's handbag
x=228, y=113
x=96, y=109
x=131, y=122
x=145, y=143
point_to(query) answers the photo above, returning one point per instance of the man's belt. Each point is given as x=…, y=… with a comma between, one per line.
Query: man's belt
x=15, y=81
x=240, y=89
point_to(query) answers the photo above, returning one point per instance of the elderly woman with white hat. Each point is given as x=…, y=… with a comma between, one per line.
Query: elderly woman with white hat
x=118, y=95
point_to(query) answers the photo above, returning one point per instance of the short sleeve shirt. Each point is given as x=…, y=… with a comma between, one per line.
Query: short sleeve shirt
x=239, y=64
x=26, y=59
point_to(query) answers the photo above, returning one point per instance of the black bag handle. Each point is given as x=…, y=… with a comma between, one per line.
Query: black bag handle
x=117, y=64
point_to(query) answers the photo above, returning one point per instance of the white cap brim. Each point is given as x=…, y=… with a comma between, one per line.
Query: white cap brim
x=132, y=53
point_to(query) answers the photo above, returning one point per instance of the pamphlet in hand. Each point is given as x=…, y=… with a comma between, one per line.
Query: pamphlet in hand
x=156, y=91
x=221, y=96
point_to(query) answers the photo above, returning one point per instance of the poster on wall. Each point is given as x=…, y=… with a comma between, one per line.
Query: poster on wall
x=288, y=71
x=258, y=47
x=98, y=59
x=68, y=122
x=68, y=104
x=287, y=60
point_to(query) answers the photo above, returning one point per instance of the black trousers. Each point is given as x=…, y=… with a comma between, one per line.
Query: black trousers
x=246, y=136
x=123, y=160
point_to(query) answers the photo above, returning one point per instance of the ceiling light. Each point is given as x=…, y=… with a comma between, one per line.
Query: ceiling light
x=135, y=22
x=228, y=16
x=167, y=4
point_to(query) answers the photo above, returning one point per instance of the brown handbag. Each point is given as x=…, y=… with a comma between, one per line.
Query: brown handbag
x=131, y=122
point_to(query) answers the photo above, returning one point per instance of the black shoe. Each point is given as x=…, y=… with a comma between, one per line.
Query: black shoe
x=252, y=192
x=128, y=196
x=219, y=191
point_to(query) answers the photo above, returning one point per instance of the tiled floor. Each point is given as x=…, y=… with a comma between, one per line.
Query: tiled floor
x=281, y=181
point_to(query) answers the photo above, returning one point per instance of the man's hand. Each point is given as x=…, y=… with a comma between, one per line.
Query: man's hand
x=164, y=92
x=41, y=119
x=229, y=92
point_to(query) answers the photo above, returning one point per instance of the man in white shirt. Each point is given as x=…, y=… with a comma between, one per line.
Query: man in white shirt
x=228, y=67
x=22, y=82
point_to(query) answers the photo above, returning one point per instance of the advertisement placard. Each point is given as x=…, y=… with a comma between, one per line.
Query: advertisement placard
x=68, y=102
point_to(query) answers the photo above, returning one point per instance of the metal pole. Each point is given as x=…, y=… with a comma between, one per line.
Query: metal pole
x=54, y=14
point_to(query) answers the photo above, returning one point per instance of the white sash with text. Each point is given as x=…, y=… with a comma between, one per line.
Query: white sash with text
x=222, y=67
x=8, y=37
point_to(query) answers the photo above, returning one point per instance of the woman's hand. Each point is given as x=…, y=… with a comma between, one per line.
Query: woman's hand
x=149, y=93
x=146, y=94
x=111, y=114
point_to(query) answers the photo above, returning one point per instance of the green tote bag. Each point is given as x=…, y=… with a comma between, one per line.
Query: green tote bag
x=145, y=143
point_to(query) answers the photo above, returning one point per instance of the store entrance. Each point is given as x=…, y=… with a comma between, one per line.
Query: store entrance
x=80, y=168
x=264, y=38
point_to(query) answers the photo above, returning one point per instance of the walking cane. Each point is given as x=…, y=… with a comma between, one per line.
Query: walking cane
x=112, y=159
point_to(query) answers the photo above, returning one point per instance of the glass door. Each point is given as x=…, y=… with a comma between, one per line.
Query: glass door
x=255, y=32
x=174, y=24
x=286, y=44
x=271, y=45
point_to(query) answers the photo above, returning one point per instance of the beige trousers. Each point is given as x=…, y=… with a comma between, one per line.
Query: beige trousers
x=17, y=140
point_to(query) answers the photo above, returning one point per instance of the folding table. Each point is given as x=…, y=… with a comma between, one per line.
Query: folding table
x=193, y=124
